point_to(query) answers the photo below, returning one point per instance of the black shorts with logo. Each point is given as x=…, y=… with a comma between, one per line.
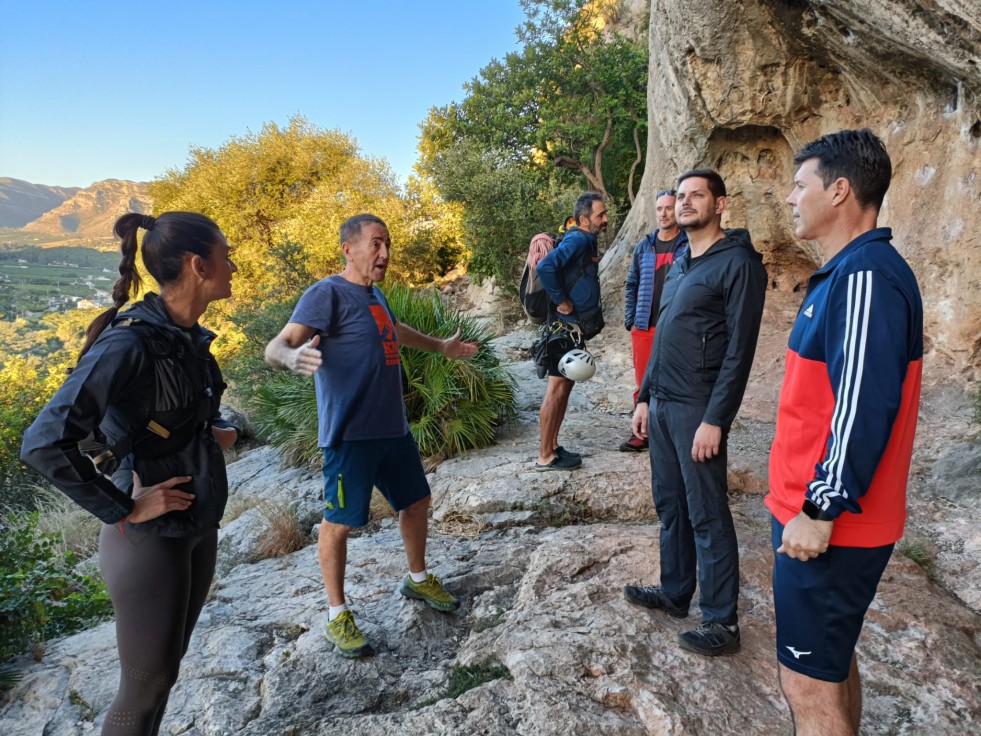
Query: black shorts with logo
x=820, y=606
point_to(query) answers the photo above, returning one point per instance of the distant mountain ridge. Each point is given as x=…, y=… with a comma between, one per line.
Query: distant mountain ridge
x=22, y=202
x=91, y=212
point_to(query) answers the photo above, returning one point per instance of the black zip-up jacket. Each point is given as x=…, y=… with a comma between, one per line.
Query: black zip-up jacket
x=707, y=328
x=143, y=367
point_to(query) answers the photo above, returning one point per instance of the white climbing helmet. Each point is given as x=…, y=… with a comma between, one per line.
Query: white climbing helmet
x=577, y=365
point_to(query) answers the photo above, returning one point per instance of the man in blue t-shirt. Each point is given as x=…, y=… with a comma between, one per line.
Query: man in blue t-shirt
x=344, y=333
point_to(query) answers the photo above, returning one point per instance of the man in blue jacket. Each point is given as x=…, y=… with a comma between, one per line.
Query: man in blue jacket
x=649, y=266
x=703, y=350
x=570, y=277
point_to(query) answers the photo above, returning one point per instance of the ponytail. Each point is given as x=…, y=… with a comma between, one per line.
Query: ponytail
x=129, y=278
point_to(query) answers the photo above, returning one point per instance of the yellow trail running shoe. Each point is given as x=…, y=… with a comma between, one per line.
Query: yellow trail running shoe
x=346, y=635
x=431, y=591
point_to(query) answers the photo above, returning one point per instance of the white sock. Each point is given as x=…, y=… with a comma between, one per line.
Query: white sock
x=418, y=577
x=335, y=611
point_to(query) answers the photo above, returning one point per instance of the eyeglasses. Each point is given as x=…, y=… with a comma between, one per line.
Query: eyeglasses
x=667, y=193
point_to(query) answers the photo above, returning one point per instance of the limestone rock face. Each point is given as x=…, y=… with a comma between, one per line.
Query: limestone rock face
x=539, y=560
x=740, y=87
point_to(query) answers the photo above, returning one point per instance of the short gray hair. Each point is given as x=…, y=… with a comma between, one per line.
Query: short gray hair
x=351, y=228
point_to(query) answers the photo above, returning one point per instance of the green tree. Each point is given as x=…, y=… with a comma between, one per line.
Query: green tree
x=280, y=197
x=566, y=112
x=297, y=184
x=26, y=384
x=506, y=203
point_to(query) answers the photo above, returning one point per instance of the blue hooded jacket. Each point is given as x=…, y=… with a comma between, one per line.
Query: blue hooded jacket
x=571, y=271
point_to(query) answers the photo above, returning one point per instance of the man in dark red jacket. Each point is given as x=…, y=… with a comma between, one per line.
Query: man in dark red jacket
x=840, y=460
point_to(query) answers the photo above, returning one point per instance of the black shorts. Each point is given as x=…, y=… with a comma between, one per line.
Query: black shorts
x=820, y=606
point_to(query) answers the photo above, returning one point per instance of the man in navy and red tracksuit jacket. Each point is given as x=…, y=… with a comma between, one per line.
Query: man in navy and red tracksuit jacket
x=845, y=424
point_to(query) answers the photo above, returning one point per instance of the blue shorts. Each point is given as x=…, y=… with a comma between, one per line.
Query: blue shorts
x=820, y=606
x=355, y=467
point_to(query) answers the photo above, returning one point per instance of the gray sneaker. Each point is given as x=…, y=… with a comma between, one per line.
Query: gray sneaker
x=711, y=639
x=653, y=596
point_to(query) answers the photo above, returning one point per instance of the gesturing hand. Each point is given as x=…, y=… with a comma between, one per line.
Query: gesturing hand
x=454, y=348
x=306, y=359
x=226, y=436
x=157, y=500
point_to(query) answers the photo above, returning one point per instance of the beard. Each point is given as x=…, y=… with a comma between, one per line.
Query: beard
x=694, y=221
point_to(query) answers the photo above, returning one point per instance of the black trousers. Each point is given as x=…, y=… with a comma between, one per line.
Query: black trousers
x=698, y=539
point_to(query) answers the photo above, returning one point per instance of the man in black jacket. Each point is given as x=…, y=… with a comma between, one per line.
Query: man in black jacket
x=703, y=349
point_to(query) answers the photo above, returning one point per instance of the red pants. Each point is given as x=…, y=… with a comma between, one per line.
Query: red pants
x=642, y=341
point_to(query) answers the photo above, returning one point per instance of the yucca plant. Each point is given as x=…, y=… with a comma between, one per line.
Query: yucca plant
x=286, y=415
x=452, y=406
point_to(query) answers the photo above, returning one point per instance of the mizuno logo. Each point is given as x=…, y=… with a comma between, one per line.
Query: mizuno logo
x=809, y=312
x=797, y=655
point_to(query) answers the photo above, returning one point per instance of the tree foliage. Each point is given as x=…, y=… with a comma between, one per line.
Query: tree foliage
x=26, y=383
x=297, y=184
x=42, y=595
x=285, y=192
x=566, y=113
x=506, y=204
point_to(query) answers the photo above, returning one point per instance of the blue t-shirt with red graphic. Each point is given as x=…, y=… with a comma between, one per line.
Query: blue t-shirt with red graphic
x=359, y=384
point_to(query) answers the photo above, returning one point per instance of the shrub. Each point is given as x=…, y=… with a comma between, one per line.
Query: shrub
x=452, y=406
x=285, y=409
x=41, y=594
x=73, y=527
x=283, y=534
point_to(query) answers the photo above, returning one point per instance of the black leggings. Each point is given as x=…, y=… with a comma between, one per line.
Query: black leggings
x=157, y=586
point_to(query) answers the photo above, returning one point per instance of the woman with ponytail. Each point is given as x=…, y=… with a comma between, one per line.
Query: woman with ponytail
x=147, y=384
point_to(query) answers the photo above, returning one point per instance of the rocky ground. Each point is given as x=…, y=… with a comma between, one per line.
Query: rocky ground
x=540, y=560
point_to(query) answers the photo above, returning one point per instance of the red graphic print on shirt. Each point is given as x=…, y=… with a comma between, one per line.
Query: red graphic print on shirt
x=387, y=332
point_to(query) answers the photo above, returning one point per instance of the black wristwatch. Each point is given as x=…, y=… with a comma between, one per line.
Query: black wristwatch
x=813, y=511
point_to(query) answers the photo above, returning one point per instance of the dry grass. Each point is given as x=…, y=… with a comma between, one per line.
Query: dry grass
x=379, y=508
x=456, y=524
x=76, y=527
x=283, y=534
x=238, y=505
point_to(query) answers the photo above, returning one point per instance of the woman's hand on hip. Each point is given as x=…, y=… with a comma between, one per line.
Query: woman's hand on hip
x=157, y=500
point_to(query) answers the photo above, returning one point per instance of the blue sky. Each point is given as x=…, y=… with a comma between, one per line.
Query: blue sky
x=106, y=89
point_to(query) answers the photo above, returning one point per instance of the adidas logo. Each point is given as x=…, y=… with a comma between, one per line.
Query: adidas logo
x=809, y=312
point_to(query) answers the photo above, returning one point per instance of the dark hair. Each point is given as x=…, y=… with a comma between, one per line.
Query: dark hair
x=351, y=228
x=584, y=205
x=857, y=155
x=715, y=183
x=168, y=237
